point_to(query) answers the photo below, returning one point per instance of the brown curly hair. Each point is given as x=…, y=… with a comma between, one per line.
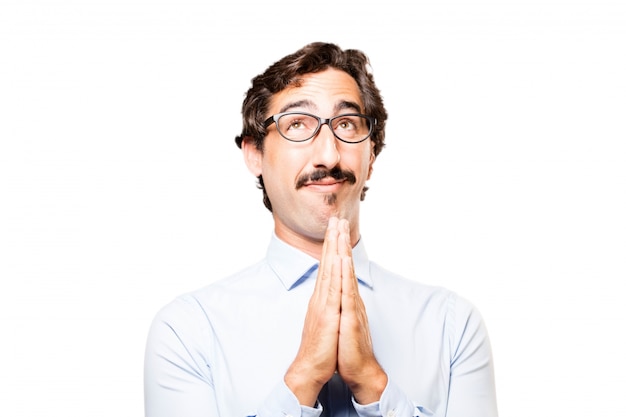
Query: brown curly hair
x=314, y=57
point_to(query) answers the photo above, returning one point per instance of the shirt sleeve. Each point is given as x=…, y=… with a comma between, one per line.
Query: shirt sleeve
x=282, y=402
x=472, y=390
x=178, y=379
x=393, y=403
x=176, y=382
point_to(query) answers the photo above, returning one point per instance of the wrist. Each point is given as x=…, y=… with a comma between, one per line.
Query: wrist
x=370, y=388
x=305, y=389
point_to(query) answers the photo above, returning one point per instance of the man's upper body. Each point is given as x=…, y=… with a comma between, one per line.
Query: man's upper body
x=313, y=126
x=223, y=350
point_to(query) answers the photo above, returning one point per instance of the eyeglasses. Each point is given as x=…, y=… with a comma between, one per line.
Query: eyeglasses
x=300, y=127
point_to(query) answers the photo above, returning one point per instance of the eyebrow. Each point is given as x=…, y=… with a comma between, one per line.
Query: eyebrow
x=308, y=104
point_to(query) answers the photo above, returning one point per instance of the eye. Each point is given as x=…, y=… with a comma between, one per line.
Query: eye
x=295, y=125
x=345, y=123
x=297, y=122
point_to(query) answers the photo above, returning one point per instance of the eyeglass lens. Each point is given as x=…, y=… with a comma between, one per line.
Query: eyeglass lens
x=301, y=127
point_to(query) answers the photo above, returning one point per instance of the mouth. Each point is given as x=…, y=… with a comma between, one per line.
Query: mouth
x=327, y=185
x=326, y=180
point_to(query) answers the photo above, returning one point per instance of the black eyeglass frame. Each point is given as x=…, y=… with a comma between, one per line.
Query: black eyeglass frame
x=321, y=121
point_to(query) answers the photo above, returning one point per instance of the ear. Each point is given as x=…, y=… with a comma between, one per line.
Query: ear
x=252, y=156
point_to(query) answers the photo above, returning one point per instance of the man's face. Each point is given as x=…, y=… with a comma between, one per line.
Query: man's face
x=296, y=174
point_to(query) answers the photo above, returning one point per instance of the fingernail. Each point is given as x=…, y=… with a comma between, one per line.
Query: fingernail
x=332, y=222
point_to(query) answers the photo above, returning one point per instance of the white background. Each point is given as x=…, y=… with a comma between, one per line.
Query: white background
x=504, y=179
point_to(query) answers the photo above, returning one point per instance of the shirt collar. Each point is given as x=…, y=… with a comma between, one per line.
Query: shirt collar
x=292, y=266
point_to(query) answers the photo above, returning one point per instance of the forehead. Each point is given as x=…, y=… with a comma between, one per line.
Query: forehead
x=327, y=91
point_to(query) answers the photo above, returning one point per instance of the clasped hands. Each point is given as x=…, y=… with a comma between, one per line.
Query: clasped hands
x=336, y=336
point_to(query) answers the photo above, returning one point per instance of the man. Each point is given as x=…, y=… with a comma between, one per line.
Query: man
x=316, y=328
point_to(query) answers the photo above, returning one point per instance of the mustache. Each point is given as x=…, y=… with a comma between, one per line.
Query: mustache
x=319, y=174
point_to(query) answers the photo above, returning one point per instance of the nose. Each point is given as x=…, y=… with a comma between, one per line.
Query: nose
x=325, y=152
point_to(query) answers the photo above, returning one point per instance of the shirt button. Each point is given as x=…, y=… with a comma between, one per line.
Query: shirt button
x=391, y=413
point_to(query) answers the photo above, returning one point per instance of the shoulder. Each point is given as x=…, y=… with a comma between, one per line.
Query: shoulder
x=421, y=297
x=253, y=281
x=386, y=281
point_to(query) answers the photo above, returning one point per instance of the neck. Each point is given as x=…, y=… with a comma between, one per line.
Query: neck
x=311, y=243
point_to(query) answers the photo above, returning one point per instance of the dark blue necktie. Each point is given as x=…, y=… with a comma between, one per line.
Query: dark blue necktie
x=336, y=399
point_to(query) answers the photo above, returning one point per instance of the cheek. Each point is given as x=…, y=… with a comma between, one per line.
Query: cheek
x=280, y=170
x=370, y=165
x=362, y=163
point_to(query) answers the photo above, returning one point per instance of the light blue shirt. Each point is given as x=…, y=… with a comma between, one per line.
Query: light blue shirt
x=223, y=350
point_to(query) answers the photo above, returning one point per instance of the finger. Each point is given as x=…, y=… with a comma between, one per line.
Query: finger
x=329, y=247
x=353, y=315
x=333, y=224
x=345, y=250
x=349, y=286
x=330, y=287
x=334, y=292
x=344, y=244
